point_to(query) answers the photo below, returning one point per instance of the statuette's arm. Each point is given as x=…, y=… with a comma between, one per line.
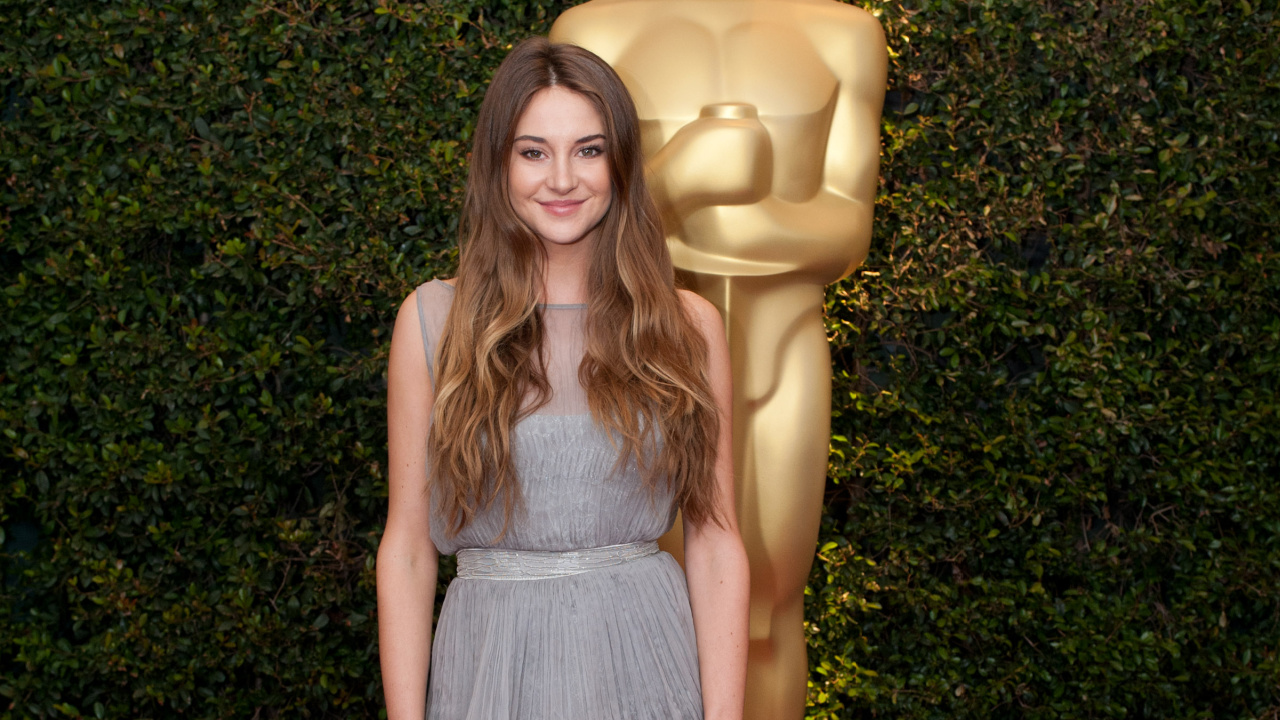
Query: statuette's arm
x=722, y=158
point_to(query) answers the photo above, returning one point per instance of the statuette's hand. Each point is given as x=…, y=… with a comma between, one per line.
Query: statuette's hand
x=724, y=157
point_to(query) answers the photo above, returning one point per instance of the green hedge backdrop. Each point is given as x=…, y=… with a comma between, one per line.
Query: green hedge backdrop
x=1051, y=489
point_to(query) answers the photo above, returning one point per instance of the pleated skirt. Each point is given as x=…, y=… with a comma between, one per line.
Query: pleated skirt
x=610, y=644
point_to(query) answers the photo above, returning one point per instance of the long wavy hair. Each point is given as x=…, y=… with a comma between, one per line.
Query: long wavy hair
x=645, y=363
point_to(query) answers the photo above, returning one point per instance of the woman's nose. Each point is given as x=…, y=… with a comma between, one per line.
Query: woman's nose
x=561, y=178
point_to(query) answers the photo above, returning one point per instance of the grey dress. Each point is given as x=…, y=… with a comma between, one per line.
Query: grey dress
x=611, y=643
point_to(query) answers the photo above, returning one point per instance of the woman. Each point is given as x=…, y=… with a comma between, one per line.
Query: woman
x=569, y=399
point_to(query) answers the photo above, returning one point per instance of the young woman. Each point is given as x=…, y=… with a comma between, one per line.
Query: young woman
x=548, y=410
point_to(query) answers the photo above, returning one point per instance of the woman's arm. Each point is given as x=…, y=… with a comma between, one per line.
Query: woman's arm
x=715, y=560
x=407, y=560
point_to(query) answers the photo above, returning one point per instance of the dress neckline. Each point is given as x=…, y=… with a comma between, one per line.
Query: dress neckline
x=552, y=306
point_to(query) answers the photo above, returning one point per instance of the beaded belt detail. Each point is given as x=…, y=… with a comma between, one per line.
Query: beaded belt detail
x=496, y=564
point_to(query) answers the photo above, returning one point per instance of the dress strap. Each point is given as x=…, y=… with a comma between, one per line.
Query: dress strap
x=496, y=564
x=434, y=299
x=426, y=339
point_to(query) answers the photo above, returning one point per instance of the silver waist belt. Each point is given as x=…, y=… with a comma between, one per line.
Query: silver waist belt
x=495, y=564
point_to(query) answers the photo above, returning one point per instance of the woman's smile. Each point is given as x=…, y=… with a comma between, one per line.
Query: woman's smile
x=561, y=208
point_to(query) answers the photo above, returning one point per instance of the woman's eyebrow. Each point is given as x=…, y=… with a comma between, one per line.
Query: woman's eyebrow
x=534, y=138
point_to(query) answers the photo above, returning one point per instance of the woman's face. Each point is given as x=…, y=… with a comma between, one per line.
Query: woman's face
x=558, y=175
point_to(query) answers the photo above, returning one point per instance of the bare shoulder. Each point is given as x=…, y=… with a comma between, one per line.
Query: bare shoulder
x=711, y=326
x=700, y=309
x=430, y=298
x=432, y=291
x=407, y=356
x=407, y=318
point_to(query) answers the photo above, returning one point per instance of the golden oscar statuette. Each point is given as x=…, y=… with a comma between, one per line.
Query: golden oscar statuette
x=761, y=123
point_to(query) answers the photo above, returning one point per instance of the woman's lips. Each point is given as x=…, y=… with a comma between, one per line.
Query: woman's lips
x=561, y=208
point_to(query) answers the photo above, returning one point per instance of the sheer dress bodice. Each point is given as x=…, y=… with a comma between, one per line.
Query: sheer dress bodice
x=615, y=642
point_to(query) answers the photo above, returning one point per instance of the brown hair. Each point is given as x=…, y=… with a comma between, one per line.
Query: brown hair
x=644, y=368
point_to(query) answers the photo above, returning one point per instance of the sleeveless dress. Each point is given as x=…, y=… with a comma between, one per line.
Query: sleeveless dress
x=613, y=643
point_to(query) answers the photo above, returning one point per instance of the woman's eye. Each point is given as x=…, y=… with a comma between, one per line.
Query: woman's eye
x=532, y=153
x=592, y=151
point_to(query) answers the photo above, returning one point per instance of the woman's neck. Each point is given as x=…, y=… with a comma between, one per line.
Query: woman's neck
x=564, y=280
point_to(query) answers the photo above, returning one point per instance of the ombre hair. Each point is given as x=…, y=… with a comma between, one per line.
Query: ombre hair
x=644, y=368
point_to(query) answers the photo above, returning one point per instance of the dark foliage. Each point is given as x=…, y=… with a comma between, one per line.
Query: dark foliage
x=1052, y=479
